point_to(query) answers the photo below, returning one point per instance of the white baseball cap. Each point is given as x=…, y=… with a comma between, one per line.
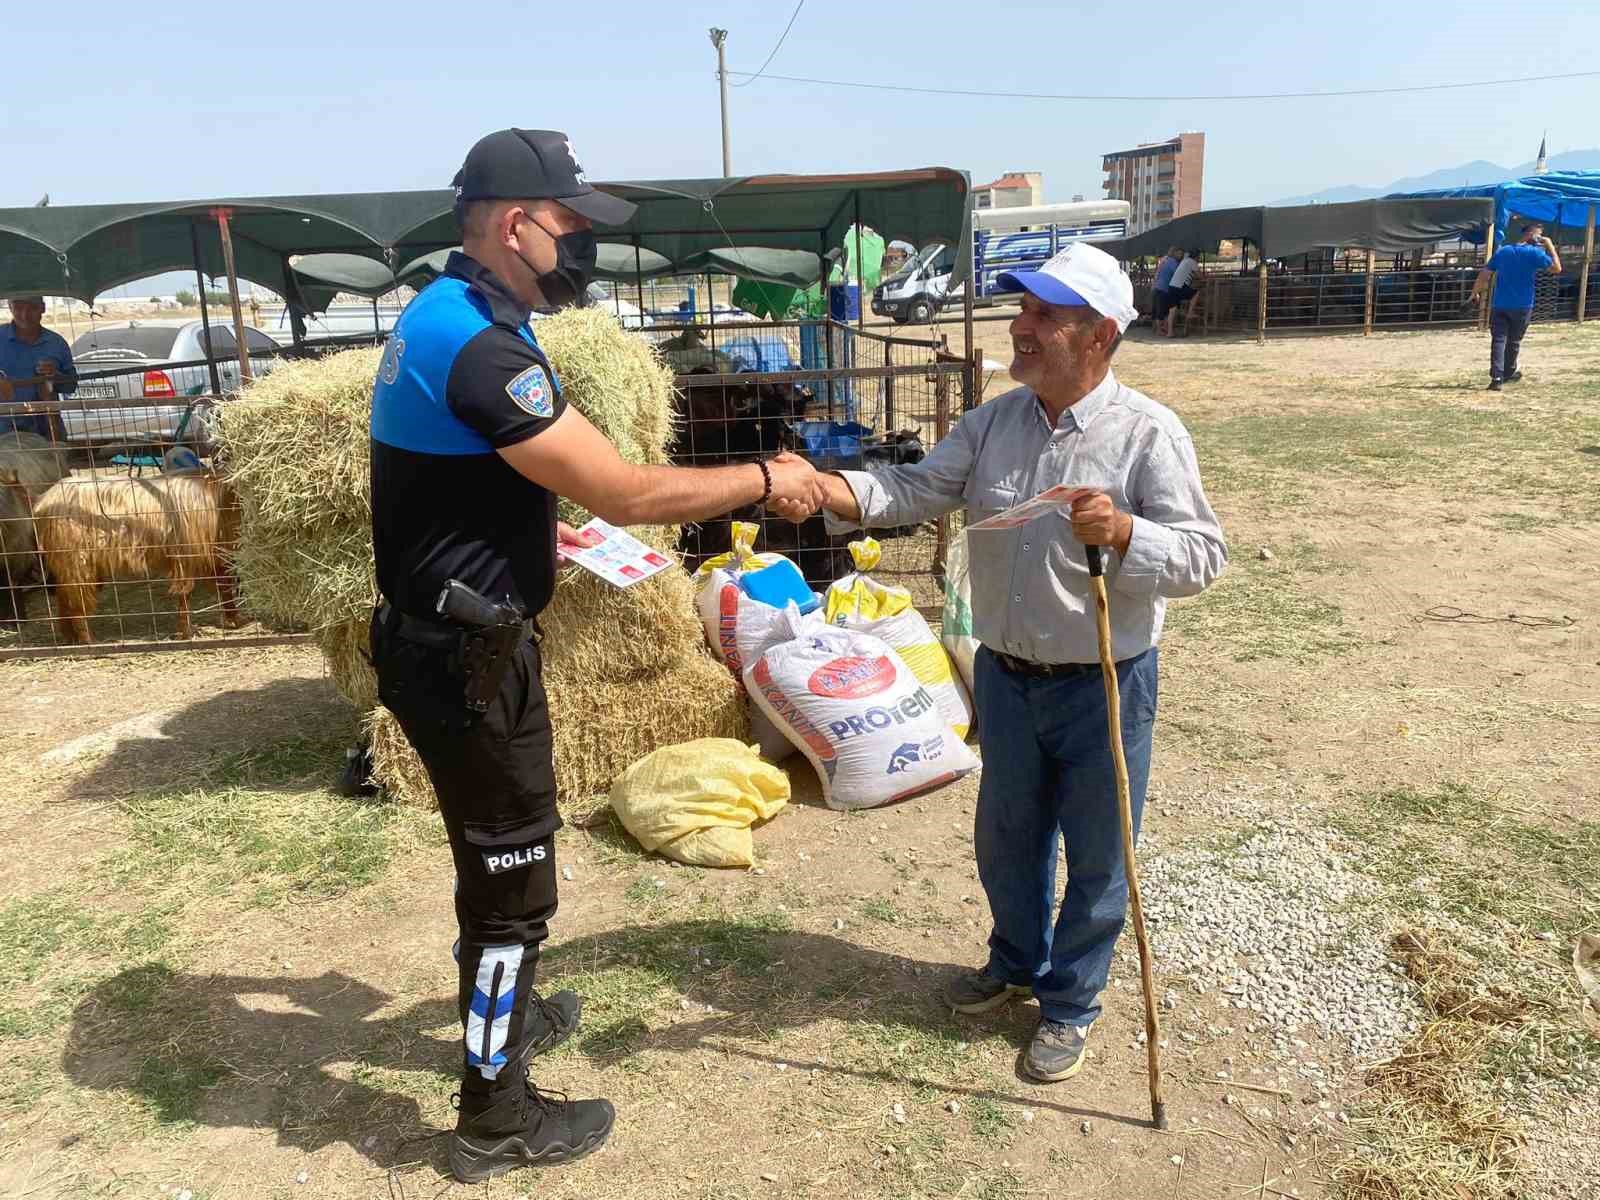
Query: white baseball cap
x=1080, y=276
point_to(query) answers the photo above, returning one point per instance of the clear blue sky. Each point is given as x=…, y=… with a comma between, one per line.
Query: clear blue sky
x=178, y=100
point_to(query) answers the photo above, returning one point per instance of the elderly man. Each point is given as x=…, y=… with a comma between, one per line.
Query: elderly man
x=1047, y=767
x=29, y=352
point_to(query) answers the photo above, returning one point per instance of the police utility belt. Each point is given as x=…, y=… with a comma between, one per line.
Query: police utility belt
x=482, y=634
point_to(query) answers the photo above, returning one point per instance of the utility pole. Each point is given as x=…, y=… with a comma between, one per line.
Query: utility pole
x=719, y=39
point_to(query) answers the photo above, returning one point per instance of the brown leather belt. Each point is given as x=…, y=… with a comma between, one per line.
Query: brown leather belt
x=1037, y=670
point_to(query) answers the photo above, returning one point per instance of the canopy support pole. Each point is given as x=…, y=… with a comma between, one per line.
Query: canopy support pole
x=377, y=325
x=966, y=315
x=711, y=310
x=861, y=272
x=1261, y=301
x=1488, y=253
x=827, y=317
x=233, y=294
x=638, y=277
x=205, y=310
x=1588, y=265
x=1372, y=288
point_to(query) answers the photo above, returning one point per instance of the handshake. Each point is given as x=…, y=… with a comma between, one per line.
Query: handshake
x=798, y=491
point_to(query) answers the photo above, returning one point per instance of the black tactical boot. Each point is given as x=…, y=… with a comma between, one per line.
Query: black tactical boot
x=547, y=1022
x=503, y=1126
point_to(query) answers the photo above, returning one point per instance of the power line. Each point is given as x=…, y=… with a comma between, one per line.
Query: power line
x=928, y=91
x=781, y=39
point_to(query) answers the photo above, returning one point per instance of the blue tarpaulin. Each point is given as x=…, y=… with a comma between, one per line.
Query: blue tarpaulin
x=1559, y=198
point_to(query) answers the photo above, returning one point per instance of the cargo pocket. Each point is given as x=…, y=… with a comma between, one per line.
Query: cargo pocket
x=514, y=845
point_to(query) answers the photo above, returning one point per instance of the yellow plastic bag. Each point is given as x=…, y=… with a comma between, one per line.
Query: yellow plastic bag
x=859, y=602
x=695, y=802
x=738, y=628
x=742, y=557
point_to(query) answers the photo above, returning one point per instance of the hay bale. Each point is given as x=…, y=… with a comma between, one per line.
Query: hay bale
x=297, y=444
x=395, y=765
x=626, y=671
x=614, y=378
x=345, y=647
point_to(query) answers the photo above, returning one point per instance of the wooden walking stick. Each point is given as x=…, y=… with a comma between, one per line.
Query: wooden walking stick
x=1108, y=669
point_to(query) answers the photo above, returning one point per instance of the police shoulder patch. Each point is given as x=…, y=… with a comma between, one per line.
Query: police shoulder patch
x=532, y=393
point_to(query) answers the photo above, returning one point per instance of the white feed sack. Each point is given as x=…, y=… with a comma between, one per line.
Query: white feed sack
x=738, y=628
x=872, y=731
x=859, y=602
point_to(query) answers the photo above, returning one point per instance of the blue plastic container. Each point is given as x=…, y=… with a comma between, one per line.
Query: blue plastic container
x=844, y=301
x=778, y=584
x=831, y=437
x=760, y=352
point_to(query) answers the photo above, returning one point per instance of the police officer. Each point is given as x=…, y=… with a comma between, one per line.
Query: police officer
x=472, y=443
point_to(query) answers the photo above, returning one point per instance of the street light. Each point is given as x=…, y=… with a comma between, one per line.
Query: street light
x=719, y=39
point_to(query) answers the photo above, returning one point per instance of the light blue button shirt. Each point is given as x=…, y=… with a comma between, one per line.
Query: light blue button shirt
x=1031, y=594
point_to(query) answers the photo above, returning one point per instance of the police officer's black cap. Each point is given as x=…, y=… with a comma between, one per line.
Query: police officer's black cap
x=534, y=164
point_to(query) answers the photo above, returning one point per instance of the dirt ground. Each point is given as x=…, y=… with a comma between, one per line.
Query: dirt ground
x=224, y=981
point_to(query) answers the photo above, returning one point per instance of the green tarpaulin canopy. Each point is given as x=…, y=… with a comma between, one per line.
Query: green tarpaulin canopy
x=85, y=250
x=1386, y=225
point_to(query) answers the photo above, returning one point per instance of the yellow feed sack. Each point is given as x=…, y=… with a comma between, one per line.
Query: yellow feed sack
x=695, y=802
x=859, y=602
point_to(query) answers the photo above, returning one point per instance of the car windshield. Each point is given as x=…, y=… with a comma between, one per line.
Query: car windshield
x=916, y=263
x=151, y=341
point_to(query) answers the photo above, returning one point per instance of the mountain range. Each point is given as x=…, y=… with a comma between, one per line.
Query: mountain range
x=1466, y=175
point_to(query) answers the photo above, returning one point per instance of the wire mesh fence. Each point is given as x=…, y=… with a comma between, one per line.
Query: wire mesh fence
x=111, y=553
x=842, y=397
x=116, y=522
x=1332, y=290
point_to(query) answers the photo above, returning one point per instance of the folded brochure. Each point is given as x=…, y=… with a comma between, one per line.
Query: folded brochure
x=619, y=558
x=1060, y=499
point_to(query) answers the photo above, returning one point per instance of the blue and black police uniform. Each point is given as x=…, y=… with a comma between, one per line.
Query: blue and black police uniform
x=462, y=378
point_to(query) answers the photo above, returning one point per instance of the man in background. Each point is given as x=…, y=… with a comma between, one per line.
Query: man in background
x=29, y=352
x=1512, y=271
x=1160, y=296
x=1181, y=289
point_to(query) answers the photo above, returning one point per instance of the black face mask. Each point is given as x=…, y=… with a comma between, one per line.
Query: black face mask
x=568, y=283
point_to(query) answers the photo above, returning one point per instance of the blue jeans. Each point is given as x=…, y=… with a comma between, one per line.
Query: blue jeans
x=1047, y=772
x=1507, y=328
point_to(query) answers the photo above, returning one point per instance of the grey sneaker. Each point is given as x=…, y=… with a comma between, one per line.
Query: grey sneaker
x=1056, y=1052
x=974, y=992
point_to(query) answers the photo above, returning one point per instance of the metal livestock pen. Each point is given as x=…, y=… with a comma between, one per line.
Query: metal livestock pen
x=117, y=521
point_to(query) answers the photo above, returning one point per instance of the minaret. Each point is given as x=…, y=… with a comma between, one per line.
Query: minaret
x=1540, y=167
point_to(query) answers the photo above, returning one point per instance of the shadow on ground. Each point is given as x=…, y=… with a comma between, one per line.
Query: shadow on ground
x=212, y=742
x=316, y=1059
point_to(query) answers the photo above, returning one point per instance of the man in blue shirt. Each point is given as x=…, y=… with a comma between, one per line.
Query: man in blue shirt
x=29, y=352
x=1513, y=270
x=1160, y=298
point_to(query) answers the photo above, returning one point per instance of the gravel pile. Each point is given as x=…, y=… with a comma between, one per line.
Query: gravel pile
x=1269, y=922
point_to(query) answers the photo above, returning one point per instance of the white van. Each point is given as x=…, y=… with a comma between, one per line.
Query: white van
x=1003, y=239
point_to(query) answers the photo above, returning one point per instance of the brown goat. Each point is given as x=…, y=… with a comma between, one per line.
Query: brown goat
x=28, y=466
x=95, y=531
